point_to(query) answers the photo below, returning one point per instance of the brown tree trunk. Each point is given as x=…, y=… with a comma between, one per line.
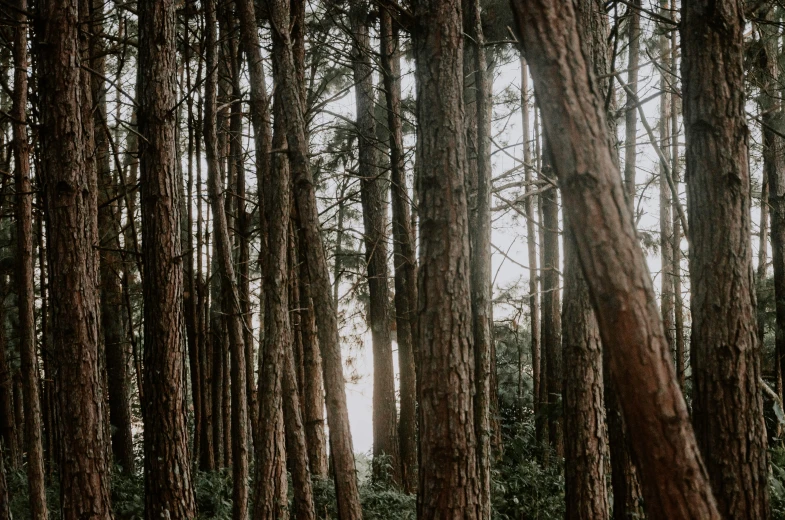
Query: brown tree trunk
x=551, y=308
x=403, y=256
x=727, y=402
x=329, y=341
x=70, y=195
x=479, y=213
x=111, y=263
x=25, y=275
x=374, y=210
x=313, y=390
x=8, y=433
x=168, y=490
x=583, y=400
x=449, y=482
x=231, y=298
x=631, y=110
x=674, y=480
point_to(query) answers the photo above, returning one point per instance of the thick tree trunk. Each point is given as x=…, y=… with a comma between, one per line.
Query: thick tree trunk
x=449, y=483
x=374, y=205
x=70, y=196
x=168, y=489
x=239, y=405
x=583, y=398
x=727, y=402
x=675, y=482
x=403, y=256
x=305, y=197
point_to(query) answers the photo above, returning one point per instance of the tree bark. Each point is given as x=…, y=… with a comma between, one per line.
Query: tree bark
x=231, y=297
x=449, y=482
x=70, y=196
x=675, y=483
x=403, y=256
x=168, y=489
x=386, y=463
x=305, y=197
x=25, y=275
x=727, y=401
x=631, y=109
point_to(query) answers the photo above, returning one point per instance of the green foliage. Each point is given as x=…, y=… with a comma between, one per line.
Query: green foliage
x=379, y=501
x=777, y=482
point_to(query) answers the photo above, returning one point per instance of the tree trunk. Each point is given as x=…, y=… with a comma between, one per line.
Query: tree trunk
x=168, y=490
x=305, y=197
x=631, y=109
x=374, y=210
x=8, y=433
x=531, y=242
x=403, y=256
x=25, y=275
x=583, y=400
x=239, y=405
x=111, y=263
x=479, y=213
x=70, y=195
x=674, y=481
x=727, y=401
x=449, y=482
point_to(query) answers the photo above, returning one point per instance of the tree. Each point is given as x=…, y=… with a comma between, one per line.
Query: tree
x=70, y=196
x=25, y=275
x=675, y=483
x=168, y=489
x=374, y=204
x=727, y=401
x=449, y=483
x=305, y=199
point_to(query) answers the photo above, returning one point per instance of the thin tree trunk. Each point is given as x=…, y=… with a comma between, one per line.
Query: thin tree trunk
x=674, y=480
x=479, y=214
x=233, y=306
x=631, y=110
x=386, y=462
x=449, y=483
x=727, y=402
x=675, y=167
x=26, y=275
x=329, y=341
x=168, y=489
x=403, y=256
x=531, y=242
x=8, y=433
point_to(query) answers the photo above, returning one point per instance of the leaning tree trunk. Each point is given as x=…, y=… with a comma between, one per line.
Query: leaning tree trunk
x=449, y=483
x=25, y=276
x=675, y=483
x=374, y=205
x=70, y=196
x=234, y=319
x=304, y=193
x=727, y=401
x=168, y=490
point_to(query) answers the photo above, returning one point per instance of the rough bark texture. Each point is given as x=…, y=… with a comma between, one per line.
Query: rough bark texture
x=727, y=403
x=234, y=319
x=25, y=275
x=551, y=307
x=583, y=400
x=479, y=213
x=374, y=204
x=70, y=196
x=305, y=198
x=675, y=483
x=449, y=484
x=168, y=490
x=111, y=263
x=403, y=256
